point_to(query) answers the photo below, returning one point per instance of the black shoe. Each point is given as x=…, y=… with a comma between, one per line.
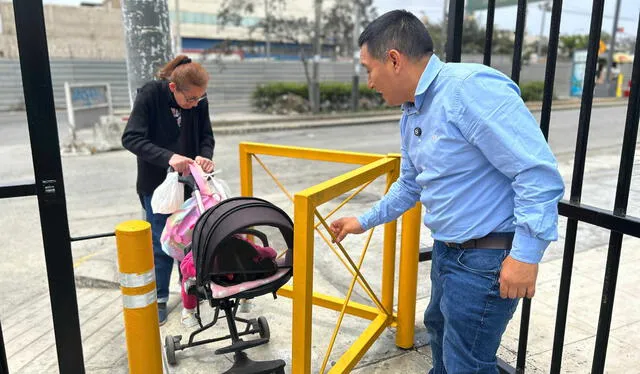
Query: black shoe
x=162, y=313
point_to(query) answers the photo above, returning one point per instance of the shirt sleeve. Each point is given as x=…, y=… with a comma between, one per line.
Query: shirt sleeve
x=402, y=196
x=493, y=117
x=207, y=141
x=135, y=137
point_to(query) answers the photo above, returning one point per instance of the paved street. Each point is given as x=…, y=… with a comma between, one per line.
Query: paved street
x=100, y=194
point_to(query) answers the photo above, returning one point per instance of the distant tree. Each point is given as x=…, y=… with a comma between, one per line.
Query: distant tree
x=571, y=43
x=473, y=37
x=338, y=23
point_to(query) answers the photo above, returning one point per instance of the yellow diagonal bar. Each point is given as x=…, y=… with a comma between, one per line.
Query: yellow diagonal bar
x=366, y=285
x=350, y=358
x=344, y=307
x=361, y=280
x=345, y=201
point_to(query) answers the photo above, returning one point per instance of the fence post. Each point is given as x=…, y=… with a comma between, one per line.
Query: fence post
x=138, y=285
x=408, y=277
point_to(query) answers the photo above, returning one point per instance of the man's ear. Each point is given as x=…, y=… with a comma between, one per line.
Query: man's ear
x=172, y=86
x=395, y=59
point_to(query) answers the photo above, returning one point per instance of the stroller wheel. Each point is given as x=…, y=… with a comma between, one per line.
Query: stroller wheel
x=264, y=328
x=170, y=350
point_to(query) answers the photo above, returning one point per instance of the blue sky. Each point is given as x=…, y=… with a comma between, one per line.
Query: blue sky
x=575, y=18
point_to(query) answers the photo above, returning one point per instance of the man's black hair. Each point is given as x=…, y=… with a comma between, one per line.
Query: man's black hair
x=400, y=30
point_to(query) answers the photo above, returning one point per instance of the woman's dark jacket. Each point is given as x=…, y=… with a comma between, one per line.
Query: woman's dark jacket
x=153, y=134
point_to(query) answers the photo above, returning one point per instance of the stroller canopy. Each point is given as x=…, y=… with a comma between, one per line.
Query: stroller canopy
x=230, y=217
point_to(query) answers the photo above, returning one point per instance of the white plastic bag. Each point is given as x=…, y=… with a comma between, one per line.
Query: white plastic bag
x=218, y=185
x=168, y=196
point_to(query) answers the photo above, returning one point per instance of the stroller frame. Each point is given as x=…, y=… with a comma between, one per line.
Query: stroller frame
x=242, y=363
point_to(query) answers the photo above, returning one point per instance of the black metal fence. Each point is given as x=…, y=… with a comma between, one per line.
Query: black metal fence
x=614, y=220
x=49, y=186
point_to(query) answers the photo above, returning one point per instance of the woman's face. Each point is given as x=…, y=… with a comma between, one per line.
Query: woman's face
x=188, y=98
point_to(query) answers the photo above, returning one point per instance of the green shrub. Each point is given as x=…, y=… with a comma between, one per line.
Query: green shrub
x=334, y=96
x=532, y=91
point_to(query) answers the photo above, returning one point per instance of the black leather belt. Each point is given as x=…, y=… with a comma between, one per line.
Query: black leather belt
x=491, y=241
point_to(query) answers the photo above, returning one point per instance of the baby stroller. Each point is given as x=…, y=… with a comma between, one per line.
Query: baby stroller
x=228, y=269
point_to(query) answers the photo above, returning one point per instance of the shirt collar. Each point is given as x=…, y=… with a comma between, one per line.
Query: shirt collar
x=428, y=76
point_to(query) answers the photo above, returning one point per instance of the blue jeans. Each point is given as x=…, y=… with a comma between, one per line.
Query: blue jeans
x=163, y=263
x=466, y=316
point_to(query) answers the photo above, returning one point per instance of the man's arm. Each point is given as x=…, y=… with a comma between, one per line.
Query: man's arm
x=403, y=195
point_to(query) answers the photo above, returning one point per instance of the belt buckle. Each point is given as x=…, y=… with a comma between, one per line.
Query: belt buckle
x=453, y=245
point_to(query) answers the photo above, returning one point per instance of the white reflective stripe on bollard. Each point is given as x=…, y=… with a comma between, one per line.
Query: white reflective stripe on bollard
x=139, y=301
x=137, y=280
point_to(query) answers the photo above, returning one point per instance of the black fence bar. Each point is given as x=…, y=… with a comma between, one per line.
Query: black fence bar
x=550, y=71
x=94, y=236
x=4, y=367
x=576, y=184
x=620, y=207
x=517, y=47
x=599, y=217
x=515, y=76
x=488, y=36
x=47, y=166
x=454, y=32
x=17, y=190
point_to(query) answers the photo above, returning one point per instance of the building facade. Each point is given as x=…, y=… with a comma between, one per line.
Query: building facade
x=96, y=32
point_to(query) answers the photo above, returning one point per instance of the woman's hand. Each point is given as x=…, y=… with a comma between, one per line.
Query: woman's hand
x=206, y=164
x=180, y=163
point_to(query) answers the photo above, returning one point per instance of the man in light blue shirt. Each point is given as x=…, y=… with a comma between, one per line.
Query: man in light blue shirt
x=473, y=154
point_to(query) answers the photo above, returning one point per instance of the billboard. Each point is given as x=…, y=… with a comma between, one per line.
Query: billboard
x=473, y=5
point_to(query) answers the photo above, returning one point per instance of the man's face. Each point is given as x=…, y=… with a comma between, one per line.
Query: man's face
x=382, y=77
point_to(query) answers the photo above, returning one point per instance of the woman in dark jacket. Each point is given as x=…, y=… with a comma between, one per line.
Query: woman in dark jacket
x=169, y=126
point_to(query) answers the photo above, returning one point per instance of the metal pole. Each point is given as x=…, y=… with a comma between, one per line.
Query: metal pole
x=178, y=31
x=445, y=4
x=49, y=182
x=544, y=8
x=612, y=47
x=316, y=58
x=355, y=89
x=267, y=30
x=147, y=38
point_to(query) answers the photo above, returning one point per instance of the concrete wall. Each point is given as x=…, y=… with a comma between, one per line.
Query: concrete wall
x=72, y=32
x=231, y=84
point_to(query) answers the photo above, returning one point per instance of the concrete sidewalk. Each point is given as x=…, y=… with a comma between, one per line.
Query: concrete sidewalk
x=245, y=122
x=105, y=349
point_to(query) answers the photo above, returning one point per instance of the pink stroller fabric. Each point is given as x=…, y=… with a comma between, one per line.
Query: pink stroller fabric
x=178, y=231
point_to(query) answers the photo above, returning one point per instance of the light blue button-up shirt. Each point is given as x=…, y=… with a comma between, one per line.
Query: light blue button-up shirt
x=475, y=157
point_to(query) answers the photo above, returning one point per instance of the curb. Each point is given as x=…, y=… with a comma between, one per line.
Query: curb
x=307, y=122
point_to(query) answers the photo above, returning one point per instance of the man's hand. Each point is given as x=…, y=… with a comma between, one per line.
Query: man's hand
x=343, y=226
x=180, y=163
x=206, y=164
x=517, y=279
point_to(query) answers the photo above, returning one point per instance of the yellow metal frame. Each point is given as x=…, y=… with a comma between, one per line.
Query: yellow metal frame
x=303, y=298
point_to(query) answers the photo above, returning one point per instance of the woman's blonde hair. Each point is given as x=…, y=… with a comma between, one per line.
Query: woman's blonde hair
x=184, y=73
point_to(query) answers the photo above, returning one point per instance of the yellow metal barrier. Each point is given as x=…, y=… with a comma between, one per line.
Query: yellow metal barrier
x=138, y=285
x=305, y=213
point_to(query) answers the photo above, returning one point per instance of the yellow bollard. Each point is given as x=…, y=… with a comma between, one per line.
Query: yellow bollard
x=138, y=285
x=619, y=85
